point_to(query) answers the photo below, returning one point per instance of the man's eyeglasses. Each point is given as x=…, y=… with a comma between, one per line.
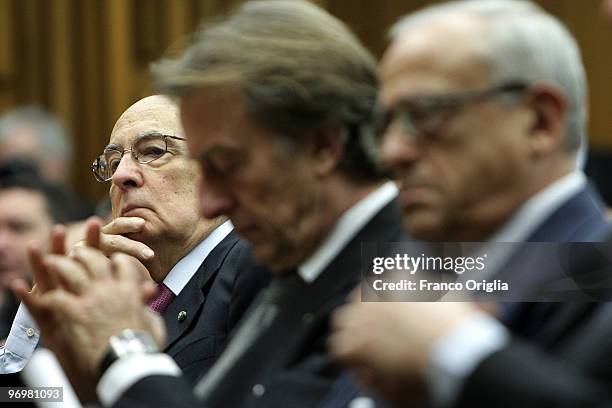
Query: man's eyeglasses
x=148, y=148
x=424, y=116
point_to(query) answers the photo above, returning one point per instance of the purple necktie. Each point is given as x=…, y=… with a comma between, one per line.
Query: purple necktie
x=160, y=303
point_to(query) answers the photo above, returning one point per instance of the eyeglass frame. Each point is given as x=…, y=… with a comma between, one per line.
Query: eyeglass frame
x=443, y=107
x=165, y=137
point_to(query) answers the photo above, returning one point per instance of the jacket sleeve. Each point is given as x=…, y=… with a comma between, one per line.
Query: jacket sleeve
x=159, y=391
x=522, y=376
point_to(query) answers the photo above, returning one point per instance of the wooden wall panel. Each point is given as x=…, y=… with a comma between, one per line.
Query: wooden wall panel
x=88, y=60
x=7, y=61
x=594, y=36
x=90, y=91
x=62, y=65
x=371, y=20
x=177, y=18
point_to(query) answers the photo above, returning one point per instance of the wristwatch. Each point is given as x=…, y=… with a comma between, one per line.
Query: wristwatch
x=127, y=343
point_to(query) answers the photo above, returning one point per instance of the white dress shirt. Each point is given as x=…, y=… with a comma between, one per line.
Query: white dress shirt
x=349, y=223
x=24, y=335
x=456, y=354
x=123, y=373
x=20, y=343
x=186, y=267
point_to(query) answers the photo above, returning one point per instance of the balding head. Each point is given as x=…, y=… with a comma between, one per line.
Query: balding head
x=486, y=108
x=156, y=108
x=154, y=179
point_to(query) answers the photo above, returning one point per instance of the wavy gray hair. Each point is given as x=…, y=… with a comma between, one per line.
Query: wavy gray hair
x=298, y=69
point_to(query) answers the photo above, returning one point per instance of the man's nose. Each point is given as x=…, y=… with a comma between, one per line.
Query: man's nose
x=399, y=150
x=128, y=173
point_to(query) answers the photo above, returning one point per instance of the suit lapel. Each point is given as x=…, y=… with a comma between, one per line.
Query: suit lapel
x=580, y=219
x=186, y=306
x=313, y=303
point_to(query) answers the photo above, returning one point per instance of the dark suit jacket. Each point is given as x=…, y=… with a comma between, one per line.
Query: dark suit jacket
x=580, y=219
x=573, y=372
x=213, y=300
x=567, y=360
x=288, y=362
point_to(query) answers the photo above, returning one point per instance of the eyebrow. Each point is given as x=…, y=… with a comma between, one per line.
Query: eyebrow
x=116, y=146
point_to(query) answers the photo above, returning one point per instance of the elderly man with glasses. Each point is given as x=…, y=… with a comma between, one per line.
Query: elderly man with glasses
x=487, y=105
x=205, y=274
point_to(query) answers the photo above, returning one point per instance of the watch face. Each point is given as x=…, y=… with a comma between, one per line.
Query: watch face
x=130, y=342
x=134, y=345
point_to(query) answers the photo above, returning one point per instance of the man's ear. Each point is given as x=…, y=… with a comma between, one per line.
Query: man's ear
x=548, y=130
x=327, y=149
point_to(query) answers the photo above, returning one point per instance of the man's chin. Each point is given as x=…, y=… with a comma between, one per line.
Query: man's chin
x=275, y=262
x=424, y=225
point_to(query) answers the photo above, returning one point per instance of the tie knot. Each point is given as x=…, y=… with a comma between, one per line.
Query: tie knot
x=160, y=302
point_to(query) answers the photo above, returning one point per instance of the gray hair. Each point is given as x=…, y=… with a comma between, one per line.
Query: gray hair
x=298, y=69
x=51, y=133
x=525, y=43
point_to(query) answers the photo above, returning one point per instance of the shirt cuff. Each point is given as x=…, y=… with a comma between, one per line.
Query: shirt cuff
x=457, y=354
x=125, y=372
x=24, y=335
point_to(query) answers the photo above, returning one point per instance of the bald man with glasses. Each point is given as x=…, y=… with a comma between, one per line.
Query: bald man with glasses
x=205, y=274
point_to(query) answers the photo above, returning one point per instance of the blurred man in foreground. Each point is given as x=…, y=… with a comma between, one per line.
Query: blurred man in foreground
x=485, y=121
x=278, y=102
x=488, y=108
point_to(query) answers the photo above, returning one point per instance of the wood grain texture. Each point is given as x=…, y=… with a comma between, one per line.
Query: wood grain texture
x=87, y=60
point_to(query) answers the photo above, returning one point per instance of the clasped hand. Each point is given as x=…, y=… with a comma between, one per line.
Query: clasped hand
x=82, y=299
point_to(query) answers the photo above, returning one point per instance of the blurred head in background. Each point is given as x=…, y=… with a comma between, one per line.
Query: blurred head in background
x=29, y=206
x=33, y=134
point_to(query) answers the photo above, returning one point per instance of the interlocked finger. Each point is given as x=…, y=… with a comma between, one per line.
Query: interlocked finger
x=96, y=264
x=70, y=273
x=126, y=268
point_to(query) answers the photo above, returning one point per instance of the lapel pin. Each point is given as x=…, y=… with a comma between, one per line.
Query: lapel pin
x=182, y=315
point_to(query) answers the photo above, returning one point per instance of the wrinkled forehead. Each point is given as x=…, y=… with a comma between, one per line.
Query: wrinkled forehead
x=155, y=114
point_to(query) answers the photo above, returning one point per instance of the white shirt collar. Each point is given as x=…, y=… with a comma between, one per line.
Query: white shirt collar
x=539, y=207
x=183, y=271
x=349, y=223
